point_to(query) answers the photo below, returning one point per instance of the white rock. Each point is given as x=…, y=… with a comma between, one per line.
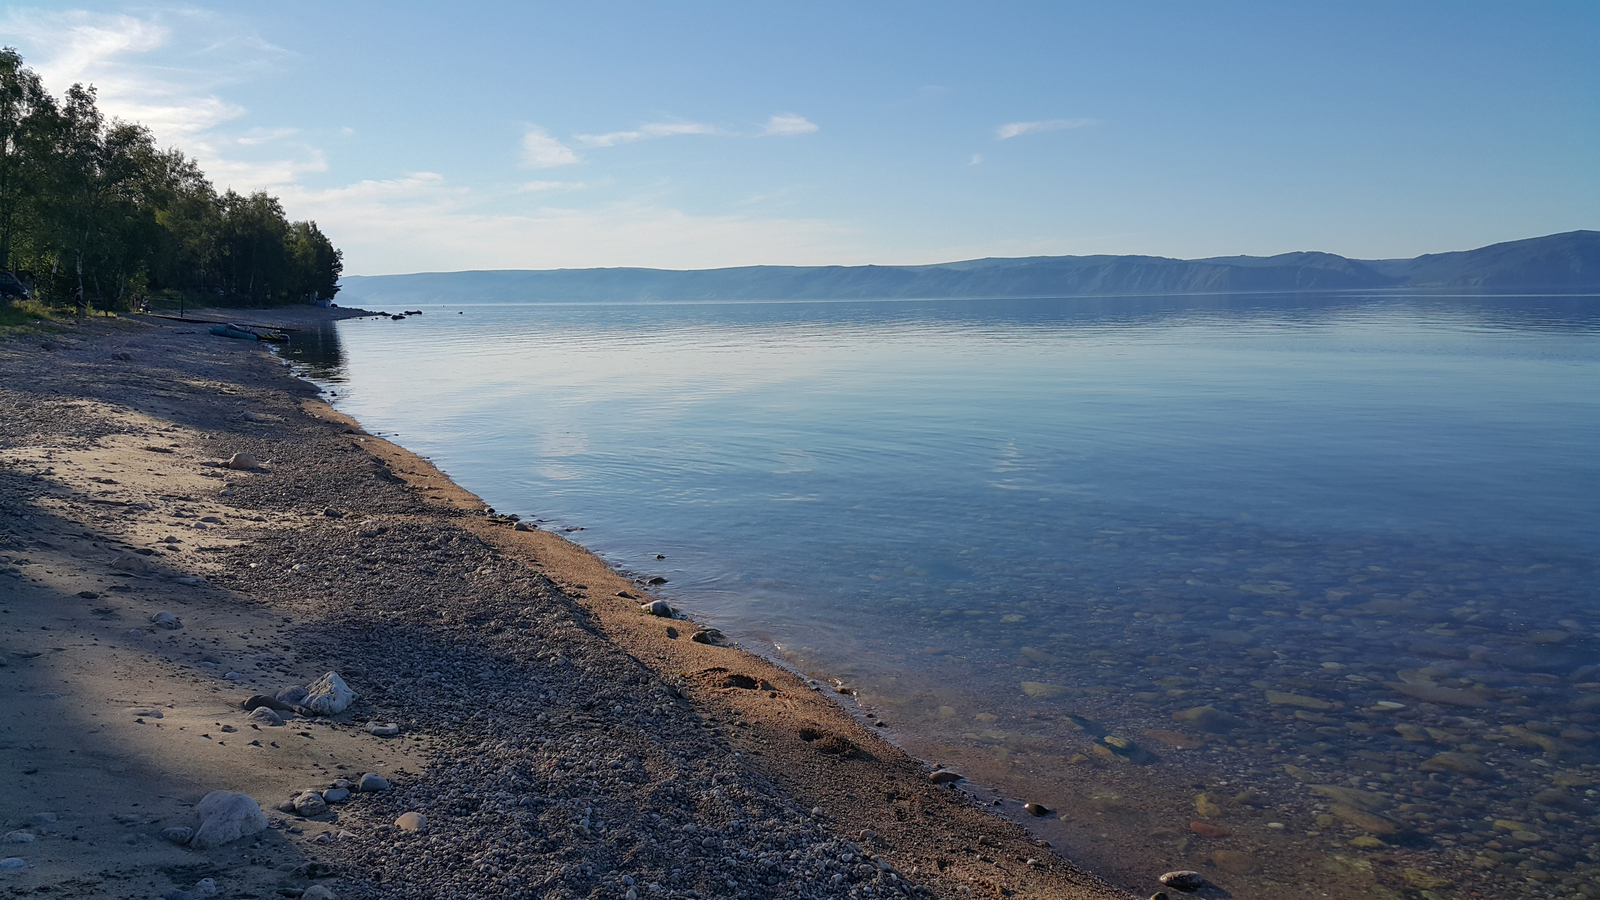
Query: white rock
x=166, y=620
x=411, y=821
x=264, y=716
x=21, y=837
x=383, y=729
x=319, y=892
x=241, y=461
x=310, y=803
x=328, y=695
x=226, y=816
x=206, y=887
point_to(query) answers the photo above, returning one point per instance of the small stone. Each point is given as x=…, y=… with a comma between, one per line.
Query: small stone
x=944, y=776
x=372, y=782
x=1207, y=830
x=657, y=608
x=1184, y=880
x=1234, y=862
x=206, y=887
x=328, y=696
x=319, y=892
x=336, y=795
x=1037, y=809
x=130, y=562
x=243, y=462
x=1208, y=719
x=383, y=729
x=261, y=715
x=1367, y=842
x=256, y=701
x=1460, y=763
x=411, y=821
x=13, y=862
x=1205, y=806
x=21, y=837
x=178, y=834
x=310, y=803
x=656, y=580
x=88, y=595
x=1039, y=690
x=707, y=636
x=525, y=526
x=146, y=712
x=166, y=620
x=226, y=816
x=1283, y=698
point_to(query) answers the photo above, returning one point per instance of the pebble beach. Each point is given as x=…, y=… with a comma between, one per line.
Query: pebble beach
x=251, y=650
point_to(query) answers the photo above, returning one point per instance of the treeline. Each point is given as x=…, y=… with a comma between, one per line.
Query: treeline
x=90, y=203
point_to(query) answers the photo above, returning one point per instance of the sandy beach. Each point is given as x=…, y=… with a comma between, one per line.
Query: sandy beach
x=522, y=726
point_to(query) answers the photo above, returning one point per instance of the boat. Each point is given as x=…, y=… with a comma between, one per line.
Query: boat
x=245, y=333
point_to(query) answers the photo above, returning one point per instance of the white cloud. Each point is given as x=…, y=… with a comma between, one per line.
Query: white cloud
x=423, y=223
x=164, y=69
x=652, y=130
x=541, y=151
x=977, y=158
x=257, y=136
x=1018, y=129
x=788, y=125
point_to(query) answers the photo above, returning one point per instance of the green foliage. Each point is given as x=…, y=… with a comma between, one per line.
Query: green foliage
x=92, y=205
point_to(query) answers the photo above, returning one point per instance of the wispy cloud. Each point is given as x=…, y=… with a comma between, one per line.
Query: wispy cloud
x=977, y=159
x=645, y=132
x=164, y=69
x=1018, y=129
x=541, y=151
x=788, y=125
x=421, y=222
x=256, y=136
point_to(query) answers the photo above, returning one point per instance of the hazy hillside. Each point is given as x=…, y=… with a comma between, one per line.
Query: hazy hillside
x=1561, y=263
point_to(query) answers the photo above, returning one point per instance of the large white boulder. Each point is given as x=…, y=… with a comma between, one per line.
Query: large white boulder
x=226, y=816
x=328, y=696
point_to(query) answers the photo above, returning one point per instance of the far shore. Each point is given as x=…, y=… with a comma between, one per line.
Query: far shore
x=552, y=736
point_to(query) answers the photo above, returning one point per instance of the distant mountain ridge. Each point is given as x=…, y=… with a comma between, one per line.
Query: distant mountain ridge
x=1560, y=263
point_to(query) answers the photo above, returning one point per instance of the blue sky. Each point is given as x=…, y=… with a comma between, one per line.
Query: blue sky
x=693, y=135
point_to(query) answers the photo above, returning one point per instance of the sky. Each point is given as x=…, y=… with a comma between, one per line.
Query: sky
x=694, y=135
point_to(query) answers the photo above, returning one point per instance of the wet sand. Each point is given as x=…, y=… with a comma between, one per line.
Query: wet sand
x=557, y=739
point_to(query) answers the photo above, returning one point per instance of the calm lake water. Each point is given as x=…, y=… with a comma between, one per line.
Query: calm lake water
x=1296, y=591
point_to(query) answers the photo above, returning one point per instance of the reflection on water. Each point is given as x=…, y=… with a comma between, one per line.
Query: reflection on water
x=1293, y=592
x=316, y=354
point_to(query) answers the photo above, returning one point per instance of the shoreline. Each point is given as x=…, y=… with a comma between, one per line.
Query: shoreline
x=559, y=740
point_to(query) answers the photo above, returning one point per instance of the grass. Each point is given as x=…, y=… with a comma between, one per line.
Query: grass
x=25, y=315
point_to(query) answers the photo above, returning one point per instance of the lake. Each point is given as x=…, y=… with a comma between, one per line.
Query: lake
x=1293, y=590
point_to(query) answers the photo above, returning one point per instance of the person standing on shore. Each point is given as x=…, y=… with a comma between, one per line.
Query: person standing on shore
x=79, y=304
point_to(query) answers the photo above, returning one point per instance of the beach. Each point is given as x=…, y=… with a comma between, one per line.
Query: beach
x=552, y=735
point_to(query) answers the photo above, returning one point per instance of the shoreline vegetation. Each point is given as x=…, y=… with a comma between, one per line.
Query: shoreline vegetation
x=94, y=216
x=185, y=526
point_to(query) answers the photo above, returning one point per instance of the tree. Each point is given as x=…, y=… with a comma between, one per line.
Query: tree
x=93, y=205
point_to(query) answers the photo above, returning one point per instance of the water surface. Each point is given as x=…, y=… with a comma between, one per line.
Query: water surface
x=1288, y=589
